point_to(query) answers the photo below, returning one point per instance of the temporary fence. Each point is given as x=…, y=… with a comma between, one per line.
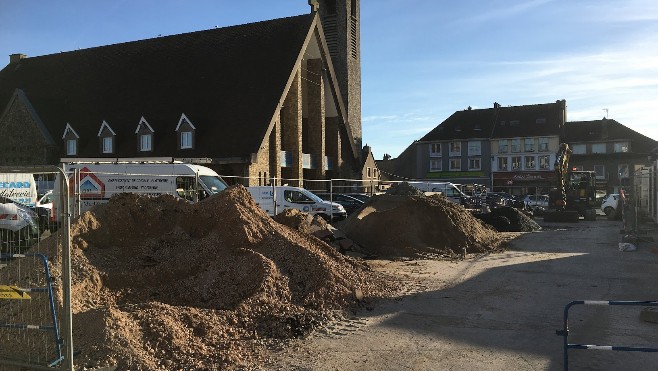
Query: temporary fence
x=564, y=332
x=644, y=191
x=35, y=299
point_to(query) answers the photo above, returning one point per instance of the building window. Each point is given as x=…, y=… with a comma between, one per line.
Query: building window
x=435, y=165
x=145, y=142
x=71, y=147
x=107, y=145
x=502, y=146
x=623, y=172
x=516, y=145
x=530, y=163
x=455, y=148
x=368, y=173
x=545, y=162
x=579, y=149
x=435, y=149
x=185, y=140
x=543, y=145
x=621, y=147
x=598, y=148
x=529, y=144
x=455, y=164
x=502, y=164
x=474, y=148
x=516, y=162
x=474, y=164
x=600, y=171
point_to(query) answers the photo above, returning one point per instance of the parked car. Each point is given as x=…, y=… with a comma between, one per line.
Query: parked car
x=538, y=203
x=18, y=226
x=350, y=203
x=609, y=204
x=499, y=199
x=359, y=196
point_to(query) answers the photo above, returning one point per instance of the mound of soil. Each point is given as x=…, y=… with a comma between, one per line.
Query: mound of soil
x=161, y=284
x=414, y=226
x=404, y=189
x=301, y=221
x=509, y=219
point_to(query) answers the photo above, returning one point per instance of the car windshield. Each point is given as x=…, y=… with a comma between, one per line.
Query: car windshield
x=213, y=183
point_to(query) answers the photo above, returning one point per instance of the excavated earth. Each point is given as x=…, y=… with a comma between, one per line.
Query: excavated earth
x=401, y=226
x=162, y=284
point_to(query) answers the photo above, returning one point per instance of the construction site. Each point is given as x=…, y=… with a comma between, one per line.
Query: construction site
x=408, y=281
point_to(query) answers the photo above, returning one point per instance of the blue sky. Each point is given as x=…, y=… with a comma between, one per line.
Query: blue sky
x=422, y=60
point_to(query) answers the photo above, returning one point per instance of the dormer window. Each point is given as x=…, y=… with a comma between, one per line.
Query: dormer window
x=71, y=147
x=106, y=137
x=185, y=130
x=186, y=139
x=145, y=142
x=144, y=134
x=108, y=144
x=70, y=137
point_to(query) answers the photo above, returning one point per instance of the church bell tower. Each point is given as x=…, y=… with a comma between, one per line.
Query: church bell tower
x=341, y=25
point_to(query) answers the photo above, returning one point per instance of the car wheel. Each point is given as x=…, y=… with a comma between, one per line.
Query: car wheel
x=608, y=210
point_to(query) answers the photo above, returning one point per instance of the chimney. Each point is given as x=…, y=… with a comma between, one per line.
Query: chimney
x=496, y=105
x=15, y=58
x=314, y=5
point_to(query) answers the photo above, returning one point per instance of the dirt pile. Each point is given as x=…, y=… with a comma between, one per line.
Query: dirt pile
x=404, y=189
x=301, y=221
x=161, y=284
x=509, y=219
x=414, y=226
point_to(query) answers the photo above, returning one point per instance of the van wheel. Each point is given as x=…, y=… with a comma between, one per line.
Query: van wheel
x=608, y=210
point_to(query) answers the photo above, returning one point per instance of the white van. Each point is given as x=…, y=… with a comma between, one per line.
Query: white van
x=276, y=199
x=450, y=190
x=19, y=187
x=92, y=183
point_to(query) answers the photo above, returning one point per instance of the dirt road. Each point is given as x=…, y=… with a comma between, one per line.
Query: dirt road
x=500, y=311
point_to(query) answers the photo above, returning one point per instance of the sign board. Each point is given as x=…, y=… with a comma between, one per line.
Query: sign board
x=12, y=292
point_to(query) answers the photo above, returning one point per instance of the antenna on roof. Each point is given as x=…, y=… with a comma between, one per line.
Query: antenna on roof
x=606, y=113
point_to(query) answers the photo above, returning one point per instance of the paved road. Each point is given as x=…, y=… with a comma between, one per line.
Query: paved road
x=500, y=311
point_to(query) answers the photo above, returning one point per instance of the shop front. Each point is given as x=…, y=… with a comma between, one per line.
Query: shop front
x=524, y=182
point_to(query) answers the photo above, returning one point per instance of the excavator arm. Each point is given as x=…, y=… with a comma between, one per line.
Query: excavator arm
x=562, y=172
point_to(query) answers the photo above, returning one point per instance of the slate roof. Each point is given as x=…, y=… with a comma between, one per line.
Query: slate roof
x=227, y=81
x=607, y=130
x=501, y=122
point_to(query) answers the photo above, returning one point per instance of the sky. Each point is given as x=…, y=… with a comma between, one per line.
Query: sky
x=421, y=60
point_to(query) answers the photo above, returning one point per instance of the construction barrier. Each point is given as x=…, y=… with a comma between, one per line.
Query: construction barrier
x=564, y=332
x=35, y=306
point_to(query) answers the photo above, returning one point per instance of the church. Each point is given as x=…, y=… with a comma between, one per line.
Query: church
x=274, y=99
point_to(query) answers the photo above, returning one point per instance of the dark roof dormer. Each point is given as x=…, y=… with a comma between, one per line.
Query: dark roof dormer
x=144, y=133
x=185, y=131
x=106, y=139
x=71, y=139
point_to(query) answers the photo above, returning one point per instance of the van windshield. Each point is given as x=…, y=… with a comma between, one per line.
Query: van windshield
x=213, y=183
x=313, y=196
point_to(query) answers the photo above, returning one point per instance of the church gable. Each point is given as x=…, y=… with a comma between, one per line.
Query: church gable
x=25, y=140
